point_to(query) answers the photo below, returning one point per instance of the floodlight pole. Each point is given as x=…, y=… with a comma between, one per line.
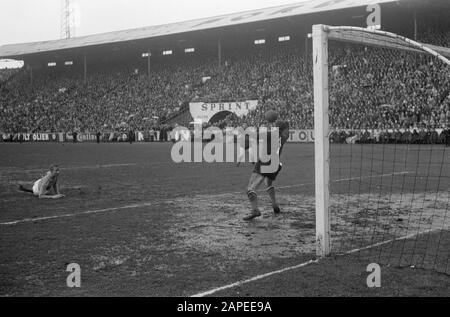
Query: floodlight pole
x=148, y=64
x=306, y=52
x=321, y=137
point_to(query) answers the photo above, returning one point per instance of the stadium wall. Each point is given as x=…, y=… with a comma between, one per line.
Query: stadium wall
x=437, y=136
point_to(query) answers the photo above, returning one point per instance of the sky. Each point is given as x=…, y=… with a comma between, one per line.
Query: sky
x=39, y=20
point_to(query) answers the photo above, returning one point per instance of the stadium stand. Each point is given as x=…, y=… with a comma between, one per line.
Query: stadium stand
x=122, y=97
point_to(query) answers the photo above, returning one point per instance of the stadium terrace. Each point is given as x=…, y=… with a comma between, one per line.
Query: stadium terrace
x=146, y=80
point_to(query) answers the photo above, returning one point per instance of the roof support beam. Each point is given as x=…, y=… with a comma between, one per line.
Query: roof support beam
x=219, y=51
x=307, y=53
x=415, y=25
x=85, y=67
x=149, y=64
x=31, y=75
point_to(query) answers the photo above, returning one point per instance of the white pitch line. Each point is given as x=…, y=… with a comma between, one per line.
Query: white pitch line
x=348, y=179
x=67, y=168
x=379, y=244
x=263, y=276
x=76, y=214
x=339, y=180
x=259, y=277
x=148, y=204
x=99, y=166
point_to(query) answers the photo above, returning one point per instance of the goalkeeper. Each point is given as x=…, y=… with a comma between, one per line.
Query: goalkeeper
x=258, y=177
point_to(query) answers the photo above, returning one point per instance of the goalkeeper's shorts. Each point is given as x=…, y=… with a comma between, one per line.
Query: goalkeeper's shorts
x=271, y=176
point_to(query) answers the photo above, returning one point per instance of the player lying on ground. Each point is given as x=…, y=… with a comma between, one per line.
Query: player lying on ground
x=258, y=177
x=42, y=187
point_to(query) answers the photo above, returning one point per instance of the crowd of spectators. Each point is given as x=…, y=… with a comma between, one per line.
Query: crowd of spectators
x=7, y=73
x=392, y=136
x=370, y=88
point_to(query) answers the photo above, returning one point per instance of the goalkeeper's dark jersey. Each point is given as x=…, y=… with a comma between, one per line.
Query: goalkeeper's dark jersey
x=280, y=144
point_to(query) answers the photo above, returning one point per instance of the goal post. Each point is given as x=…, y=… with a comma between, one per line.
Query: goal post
x=321, y=35
x=322, y=144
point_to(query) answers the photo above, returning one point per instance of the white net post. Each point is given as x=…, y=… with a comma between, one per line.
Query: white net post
x=321, y=130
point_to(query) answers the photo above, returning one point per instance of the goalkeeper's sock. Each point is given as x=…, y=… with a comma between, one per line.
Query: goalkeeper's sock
x=253, y=198
x=271, y=192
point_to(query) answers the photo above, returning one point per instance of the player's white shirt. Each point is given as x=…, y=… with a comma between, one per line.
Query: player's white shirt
x=40, y=183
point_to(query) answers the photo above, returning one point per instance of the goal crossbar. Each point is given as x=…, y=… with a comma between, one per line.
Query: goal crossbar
x=384, y=39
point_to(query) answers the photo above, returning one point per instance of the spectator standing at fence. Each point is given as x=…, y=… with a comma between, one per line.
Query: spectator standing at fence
x=398, y=136
x=131, y=136
x=447, y=137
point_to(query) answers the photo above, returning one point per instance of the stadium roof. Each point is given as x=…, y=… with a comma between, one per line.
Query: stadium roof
x=295, y=9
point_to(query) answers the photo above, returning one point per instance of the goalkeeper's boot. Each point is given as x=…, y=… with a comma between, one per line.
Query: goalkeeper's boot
x=255, y=214
x=277, y=210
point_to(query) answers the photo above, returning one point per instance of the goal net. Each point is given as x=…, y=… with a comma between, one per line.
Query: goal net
x=382, y=113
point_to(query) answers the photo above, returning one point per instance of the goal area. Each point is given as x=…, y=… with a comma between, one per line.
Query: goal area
x=382, y=161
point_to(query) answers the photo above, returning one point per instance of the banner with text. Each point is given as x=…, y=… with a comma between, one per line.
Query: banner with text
x=301, y=136
x=32, y=137
x=203, y=112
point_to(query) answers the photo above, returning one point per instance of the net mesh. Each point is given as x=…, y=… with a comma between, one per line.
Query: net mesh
x=389, y=163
